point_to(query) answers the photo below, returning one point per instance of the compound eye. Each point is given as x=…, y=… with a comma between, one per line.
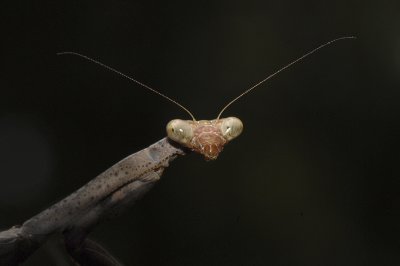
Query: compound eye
x=231, y=127
x=180, y=131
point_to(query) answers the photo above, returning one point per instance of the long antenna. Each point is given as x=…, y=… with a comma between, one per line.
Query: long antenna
x=128, y=77
x=280, y=70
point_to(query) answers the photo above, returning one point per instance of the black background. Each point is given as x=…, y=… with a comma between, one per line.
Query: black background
x=313, y=179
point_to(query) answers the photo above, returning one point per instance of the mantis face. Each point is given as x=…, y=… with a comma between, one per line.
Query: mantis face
x=206, y=137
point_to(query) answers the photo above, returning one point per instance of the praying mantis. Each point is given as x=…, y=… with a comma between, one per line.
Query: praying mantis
x=207, y=137
x=123, y=183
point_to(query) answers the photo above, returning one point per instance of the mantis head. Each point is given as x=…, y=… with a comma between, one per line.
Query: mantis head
x=206, y=137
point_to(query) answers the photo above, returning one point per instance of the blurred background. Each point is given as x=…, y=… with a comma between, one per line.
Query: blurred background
x=313, y=179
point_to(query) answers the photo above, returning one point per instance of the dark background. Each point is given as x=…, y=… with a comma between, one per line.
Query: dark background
x=313, y=179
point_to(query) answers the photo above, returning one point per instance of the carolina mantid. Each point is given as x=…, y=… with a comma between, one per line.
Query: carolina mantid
x=123, y=183
x=207, y=137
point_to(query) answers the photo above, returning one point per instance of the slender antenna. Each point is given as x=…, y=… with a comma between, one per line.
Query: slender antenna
x=128, y=77
x=280, y=70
